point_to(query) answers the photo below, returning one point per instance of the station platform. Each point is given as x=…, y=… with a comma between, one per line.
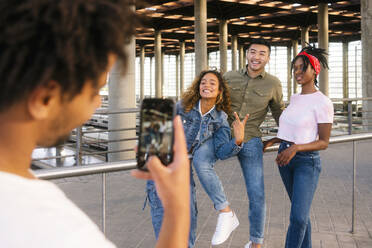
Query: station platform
x=127, y=225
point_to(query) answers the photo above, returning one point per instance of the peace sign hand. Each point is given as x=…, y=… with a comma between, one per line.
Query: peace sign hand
x=238, y=127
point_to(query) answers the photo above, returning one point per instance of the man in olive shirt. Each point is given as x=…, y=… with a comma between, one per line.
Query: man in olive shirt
x=253, y=91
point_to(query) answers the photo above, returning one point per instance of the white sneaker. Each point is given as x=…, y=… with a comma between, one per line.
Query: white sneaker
x=248, y=245
x=226, y=223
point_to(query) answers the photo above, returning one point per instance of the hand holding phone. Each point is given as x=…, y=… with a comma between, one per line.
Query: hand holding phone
x=173, y=187
x=156, y=131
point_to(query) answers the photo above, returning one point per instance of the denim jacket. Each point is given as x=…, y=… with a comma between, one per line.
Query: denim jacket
x=215, y=133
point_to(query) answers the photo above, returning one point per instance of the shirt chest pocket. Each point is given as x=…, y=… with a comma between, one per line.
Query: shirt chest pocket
x=236, y=95
x=260, y=97
x=213, y=127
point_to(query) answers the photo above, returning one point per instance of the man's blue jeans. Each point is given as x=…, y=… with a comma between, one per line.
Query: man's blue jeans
x=157, y=210
x=300, y=178
x=251, y=162
x=204, y=160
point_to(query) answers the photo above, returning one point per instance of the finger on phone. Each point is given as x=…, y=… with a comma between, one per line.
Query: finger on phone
x=141, y=174
x=156, y=168
x=180, y=148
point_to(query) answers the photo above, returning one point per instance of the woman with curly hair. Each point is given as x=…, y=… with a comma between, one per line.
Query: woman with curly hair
x=304, y=129
x=203, y=109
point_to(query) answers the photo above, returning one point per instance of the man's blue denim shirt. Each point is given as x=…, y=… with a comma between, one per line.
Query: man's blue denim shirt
x=212, y=126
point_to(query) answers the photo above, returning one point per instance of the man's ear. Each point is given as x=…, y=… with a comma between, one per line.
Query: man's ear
x=43, y=100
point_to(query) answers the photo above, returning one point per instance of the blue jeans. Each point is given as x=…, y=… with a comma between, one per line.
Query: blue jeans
x=300, y=178
x=251, y=162
x=157, y=210
x=204, y=160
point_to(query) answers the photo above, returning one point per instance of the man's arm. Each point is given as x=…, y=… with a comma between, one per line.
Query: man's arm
x=276, y=104
x=173, y=187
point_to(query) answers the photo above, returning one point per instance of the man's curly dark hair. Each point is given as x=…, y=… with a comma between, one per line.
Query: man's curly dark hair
x=68, y=41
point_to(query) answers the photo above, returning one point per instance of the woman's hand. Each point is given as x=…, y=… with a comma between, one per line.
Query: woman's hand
x=285, y=156
x=238, y=127
x=324, y=132
x=270, y=142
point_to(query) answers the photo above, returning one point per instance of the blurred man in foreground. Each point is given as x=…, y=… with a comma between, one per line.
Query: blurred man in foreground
x=54, y=58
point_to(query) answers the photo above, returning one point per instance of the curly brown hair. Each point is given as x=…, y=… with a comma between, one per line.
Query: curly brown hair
x=68, y=41
x=192, y=95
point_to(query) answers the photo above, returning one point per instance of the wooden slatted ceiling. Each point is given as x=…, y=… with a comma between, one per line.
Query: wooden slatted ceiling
x=277, y=21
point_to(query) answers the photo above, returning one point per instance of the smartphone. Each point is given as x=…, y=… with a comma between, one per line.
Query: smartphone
x=156, y=131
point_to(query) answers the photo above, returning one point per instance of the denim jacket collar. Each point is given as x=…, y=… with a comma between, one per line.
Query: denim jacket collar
x=213, y=113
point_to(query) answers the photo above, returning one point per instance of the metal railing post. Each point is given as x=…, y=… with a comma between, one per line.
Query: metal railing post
x=104, y=203
x=58, y=156
x=79, y=140
x=354, y=187
x=350, y=116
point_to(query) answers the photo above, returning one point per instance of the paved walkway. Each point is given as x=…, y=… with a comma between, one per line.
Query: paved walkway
x=128, y=226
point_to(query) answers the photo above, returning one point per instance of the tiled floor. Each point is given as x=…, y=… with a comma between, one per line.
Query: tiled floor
x=127, y=225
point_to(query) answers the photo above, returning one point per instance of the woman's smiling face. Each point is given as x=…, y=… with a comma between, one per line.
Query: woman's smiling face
x=209, y=86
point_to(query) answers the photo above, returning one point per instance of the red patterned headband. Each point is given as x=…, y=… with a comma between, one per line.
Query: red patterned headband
x=313, y=61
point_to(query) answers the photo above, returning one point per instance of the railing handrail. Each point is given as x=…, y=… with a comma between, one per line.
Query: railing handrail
x=84, y=170
x=117, y=111
x=136, y=110
x=351, y=99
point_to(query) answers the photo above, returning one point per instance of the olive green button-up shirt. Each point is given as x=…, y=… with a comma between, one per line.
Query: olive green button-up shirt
x=254, y=96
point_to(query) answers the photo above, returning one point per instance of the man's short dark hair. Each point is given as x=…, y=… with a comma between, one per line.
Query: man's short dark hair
x=67, y=41
x=260, y=42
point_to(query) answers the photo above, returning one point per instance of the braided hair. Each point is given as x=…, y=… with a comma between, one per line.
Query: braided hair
x=319, y=53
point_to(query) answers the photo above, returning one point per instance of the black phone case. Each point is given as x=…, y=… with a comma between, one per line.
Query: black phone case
x=147, y=103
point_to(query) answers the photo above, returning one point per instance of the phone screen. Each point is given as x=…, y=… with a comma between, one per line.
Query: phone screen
x=156, y=131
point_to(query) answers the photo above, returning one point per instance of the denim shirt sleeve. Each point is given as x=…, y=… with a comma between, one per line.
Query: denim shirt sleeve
x=224, y=146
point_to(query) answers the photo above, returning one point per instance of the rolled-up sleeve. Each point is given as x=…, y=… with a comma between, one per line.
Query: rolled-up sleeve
x=224, y=145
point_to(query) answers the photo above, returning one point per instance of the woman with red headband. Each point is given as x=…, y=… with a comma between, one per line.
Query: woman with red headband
x=304, y=129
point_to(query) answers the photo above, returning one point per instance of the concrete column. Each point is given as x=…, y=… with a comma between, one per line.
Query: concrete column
x=241, y=57
x=366, y=9
x=295, y=52
x=182, y=67
x=201, y=56
x=162, y=73
x=142, y=72
x=177, y=77
x=289, y=72
x=304, y=36
x=234, y=48
x=345, y=72
x=245, y=56
x=158, y=69
x=122, y=94
x=223, y=46
x=323, y=43
x=151, y=73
